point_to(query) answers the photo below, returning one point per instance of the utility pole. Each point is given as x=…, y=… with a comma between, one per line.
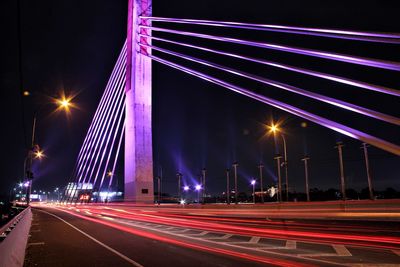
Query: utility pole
x=305, y=160
x=235, y=165
x=260, y=167
x=369, y=176
x=278, y=165
x=339, y=146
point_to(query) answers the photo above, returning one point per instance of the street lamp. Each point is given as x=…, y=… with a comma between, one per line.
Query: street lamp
x=198, y=189
x=253, y=183
x=159, y=189
x=228, y=190
x=260, y=167
x=371, y=192
x=306, y=159
x=278, y=166
x=235, y=165
x=275, y=129
x=34, y=151
x=204, y=184
x=179, y=176
x=339, y=146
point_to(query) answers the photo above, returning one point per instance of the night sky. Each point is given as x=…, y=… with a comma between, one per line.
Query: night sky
x=72, y=46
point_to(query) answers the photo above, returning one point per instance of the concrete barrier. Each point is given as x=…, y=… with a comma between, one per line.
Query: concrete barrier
x=13, y=239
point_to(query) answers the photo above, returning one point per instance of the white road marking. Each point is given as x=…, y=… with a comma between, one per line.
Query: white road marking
x=199, y=234
x=254, y=239
x=134, y=263
x=35, y=244
x=397, y=252
x=34, y=231
x=341, y=250
x=373, y=265
x=290, y=244
x=221, y=237
x=229, y=244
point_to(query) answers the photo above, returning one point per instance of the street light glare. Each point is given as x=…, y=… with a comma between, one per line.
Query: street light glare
x=274, y=128
x=109, y=174
x=253, y=182
x=64, y=103
x=39, y=154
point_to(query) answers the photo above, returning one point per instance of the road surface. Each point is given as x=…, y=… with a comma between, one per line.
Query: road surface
x=96, y=235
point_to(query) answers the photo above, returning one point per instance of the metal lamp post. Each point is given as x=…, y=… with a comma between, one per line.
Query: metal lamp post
x=339, y=146
x=278, y=166
x=305, y=160
x=179, y=176
x=228, y=190
x=235, y=165
x=204, y=184
x=369, y=176
x=286, y=166
x=253, y=183
x=260, y=167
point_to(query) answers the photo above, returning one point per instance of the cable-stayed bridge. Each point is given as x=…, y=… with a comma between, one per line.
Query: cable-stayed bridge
x=124, y=111
x=241, y=58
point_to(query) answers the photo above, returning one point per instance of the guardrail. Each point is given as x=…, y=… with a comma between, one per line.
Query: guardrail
x=13, y=239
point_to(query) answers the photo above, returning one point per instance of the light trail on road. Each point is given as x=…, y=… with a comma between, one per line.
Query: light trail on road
x=365, y=236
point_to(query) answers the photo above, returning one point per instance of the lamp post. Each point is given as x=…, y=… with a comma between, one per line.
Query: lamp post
x=339, y=146
x=63, y=103
x=365, y=148
x=260, y=167
x=278, y=166
x=159, y=189
x=228, y=190
x=179, y=176
x=235, y=165
x=198, y=189
x=274, y=129
x=305, y=160
x=204, y=184
x=253, y=183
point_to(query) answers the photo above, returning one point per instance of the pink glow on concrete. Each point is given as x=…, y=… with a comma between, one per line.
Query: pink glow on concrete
x=138, y=136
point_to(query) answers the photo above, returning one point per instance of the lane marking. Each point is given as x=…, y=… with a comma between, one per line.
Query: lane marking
x=35, y=244
x=35, y=231
x=230, y=244
x=373, y=265
x=134, y=263
x=199, y=234
x=254, y=239
x=227, y=236
x=291, y=244
x=341, y=250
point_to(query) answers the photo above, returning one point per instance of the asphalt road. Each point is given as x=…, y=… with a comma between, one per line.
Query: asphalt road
x=125, y=236
x=54, y=243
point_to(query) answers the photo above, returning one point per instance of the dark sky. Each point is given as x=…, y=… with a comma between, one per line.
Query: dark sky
x=73, y=45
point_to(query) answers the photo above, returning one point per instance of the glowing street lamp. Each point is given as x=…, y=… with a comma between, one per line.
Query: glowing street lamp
x=39, y=154
x=186, y=188
x=253, y=183
x=274, y=128
x=198, y=189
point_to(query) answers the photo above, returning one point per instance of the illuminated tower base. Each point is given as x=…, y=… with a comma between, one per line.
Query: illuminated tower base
x=138, y=136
